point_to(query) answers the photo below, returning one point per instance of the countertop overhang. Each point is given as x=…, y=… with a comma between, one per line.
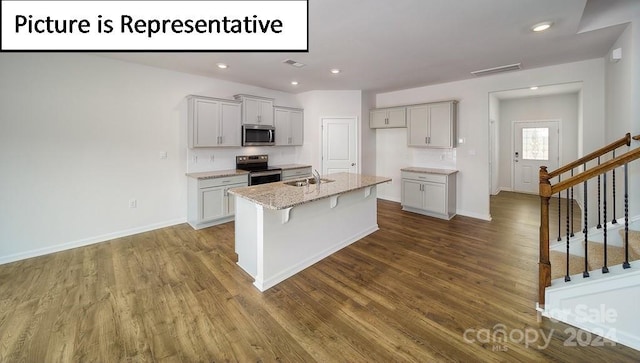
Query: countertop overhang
x=282, y=196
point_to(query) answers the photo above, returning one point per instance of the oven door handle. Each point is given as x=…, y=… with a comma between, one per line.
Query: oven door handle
x=264, y=173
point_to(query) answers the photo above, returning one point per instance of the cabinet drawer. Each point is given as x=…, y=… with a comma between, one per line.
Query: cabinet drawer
x=227, y=180
x=296, y=173
x=436, y=178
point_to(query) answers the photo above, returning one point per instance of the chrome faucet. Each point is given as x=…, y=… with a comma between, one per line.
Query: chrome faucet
x=317, y=176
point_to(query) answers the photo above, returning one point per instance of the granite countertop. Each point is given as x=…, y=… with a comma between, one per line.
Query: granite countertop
x=281, y=196
x=291, y=166
x=429, y=170
x=217, y=174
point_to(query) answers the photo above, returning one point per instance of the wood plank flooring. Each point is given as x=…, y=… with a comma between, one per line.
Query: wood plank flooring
x=407, y=293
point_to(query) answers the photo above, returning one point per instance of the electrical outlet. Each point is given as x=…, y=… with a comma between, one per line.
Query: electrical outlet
x=163, y=154
x=133, y=203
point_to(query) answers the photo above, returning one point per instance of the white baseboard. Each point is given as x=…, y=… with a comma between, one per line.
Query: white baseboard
x=484, y=217
x=391, y=199
x=87, y=241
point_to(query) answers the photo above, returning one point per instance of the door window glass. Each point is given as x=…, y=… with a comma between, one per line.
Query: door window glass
x=535, y=143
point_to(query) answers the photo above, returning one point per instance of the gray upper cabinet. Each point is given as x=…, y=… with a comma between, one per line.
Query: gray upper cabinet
x=213, y=122
x=289, y=126
x=256, y=110
x=432, y=124
x=383, y=118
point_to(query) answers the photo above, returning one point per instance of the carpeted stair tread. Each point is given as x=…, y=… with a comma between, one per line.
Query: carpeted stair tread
x=558, y=264
x=615, y=255
x=634, y=244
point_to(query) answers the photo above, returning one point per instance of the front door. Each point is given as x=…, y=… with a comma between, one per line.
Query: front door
x=339, y=145
x=536, y=144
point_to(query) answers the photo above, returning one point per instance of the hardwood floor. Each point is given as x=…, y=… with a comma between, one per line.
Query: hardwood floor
x=417, y=290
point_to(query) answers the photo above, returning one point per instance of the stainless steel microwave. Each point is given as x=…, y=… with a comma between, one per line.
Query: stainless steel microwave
x=258, y=135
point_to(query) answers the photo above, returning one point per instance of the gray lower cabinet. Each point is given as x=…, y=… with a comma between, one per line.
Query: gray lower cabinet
x=298, y=173
x=210, y=202
x=431, y=194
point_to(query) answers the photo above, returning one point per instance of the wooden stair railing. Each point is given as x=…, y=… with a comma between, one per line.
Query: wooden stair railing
x=547, y=190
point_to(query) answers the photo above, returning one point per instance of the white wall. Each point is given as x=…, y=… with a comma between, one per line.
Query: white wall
x=494, y=144
x=367, y=136
x=319, y=104
x=563, y=107
x=634, y=208
x=622, y=107
x=471, y=158
x=80, y=135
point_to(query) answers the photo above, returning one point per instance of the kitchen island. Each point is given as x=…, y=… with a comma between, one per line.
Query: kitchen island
x=282, y=228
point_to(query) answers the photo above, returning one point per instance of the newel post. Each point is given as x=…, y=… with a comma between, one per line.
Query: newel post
x=544, y=272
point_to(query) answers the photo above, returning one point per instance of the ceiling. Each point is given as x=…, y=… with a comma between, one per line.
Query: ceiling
x=386, y=45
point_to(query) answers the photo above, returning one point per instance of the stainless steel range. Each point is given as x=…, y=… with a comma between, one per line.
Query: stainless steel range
x=258, y=167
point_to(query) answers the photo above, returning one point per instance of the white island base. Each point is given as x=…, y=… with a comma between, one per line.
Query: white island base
x=275, y=244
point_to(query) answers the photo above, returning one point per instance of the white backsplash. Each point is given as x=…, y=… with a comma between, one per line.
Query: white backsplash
x=210, y=159
x=433, y=158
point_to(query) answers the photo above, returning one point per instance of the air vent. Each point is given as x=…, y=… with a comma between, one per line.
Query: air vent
x=488, y=71
x=291, y=62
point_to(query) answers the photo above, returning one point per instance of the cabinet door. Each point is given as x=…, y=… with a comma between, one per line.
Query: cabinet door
x=440, y=125
x=417, y=122
x=230, y=124
x=412, y=195
x=206, y=123
x=378, y=119
x=283, y=127
x=212, y=203
x=265, y=113
x=230, y=202
x=397, y=117
x=251, y=110
x=297, y=127
x=435, y=197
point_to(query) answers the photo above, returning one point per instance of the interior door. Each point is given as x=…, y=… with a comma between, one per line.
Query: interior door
x=339, y=145
x=536, y=144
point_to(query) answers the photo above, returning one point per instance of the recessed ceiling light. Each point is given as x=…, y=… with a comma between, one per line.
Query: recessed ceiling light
x=542, y=26
x=222, y=66
x=533, y=88
x=335, y=71
x=294, y=83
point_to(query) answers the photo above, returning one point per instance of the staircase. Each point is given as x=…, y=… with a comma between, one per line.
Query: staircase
x=595, y=250
x=591, y=279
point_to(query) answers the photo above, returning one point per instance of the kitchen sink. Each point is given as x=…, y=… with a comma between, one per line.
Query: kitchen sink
x=303, y=182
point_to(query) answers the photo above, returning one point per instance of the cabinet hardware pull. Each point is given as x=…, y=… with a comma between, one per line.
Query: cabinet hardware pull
x=426, y=140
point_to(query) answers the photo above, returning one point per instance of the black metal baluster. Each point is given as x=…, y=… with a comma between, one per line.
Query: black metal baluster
x=599, y=212
x=571, y=202
x=613, y=175
x=626, y=218
x=559, y=211
x=567, y=277
x=585, y=273
x=605, y=269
